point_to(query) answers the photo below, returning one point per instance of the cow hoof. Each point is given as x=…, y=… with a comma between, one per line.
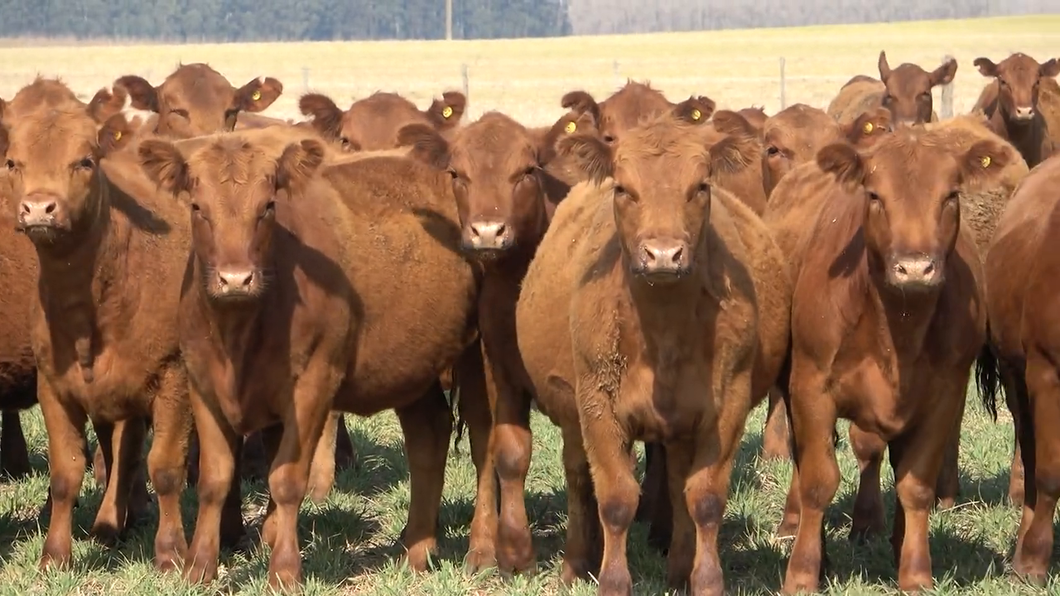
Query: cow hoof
x=285, y=571
x=787, y=529
x=105, y=533
x=202, y=570
x=479, y=559
x=52, y=559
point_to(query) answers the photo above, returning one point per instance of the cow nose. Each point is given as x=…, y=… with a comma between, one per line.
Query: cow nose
x=489, y=235
x=916, y=271
x=38, y=210
x=235, y=280
x=1025, y=113
x=663, y=256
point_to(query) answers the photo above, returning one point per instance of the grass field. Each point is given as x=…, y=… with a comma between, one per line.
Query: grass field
x=526, y=77
x=350, y=541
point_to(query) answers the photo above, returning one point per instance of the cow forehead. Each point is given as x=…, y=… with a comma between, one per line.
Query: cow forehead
x=494, y=145
x=908, y=78
x=196, y=88
x=1019, y=66
x=53, y=135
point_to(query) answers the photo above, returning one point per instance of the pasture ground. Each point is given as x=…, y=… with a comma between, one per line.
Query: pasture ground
x=349, y=543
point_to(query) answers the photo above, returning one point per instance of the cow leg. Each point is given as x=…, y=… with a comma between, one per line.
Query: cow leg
x=99, y=465
x=789, y=520
x=1016, y=475
x=617, y=491
x=428, y=426
x=948, y=484
x=681, y=557
x=582, y=550
x=322, y=470
x=775, y=436
x=123, y=452
x=303, y=426
x=868, y=518
x=218, y=448
x=14, y=455
x=474, y=407
x=813, y=418
x=1039, y=446
x=65, y=424
x=344, y=456
x=166, y=465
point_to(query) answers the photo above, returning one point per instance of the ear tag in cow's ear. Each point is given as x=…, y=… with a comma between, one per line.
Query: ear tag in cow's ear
x=256, y=96
x=696, y=114
x=447, y=112
x=571, y=127
x=868, y=128
x=985, y=160
x=117, y=135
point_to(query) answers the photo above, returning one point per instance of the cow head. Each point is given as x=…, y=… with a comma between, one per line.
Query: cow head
x=660, y=175
x=1018, y=79
x=197, y=100
x=908, y=89
x=372, y=123
x=629, y=105
x=51, y=163
x=233, y=187
x=910, y=187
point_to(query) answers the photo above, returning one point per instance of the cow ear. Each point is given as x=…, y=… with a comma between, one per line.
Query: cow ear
x=986, y=67
x=592, y=155
x=144, y=96
x=842, y=161
x=567, y=125
x=984, y=161
x=327, y=117
x=581, y=102
x=943, y=75
x=1050, y=69
x=427, y=144
x=732, y=123
x=868, y=127
x=885, y=69
x=298, y=163
x=733, y=153
x=695, y=110
x=164, y=165
x=257, y=95
x=115, y=134
x=447, y=111
x=105, y=104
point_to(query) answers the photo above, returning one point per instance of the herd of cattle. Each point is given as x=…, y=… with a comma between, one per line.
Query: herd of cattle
x=641, y=270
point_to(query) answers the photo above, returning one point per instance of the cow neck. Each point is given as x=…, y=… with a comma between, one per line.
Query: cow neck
x=234, y=325
x=668, y=312
x=1026, y=137
x=905, y=318
x=79, y=273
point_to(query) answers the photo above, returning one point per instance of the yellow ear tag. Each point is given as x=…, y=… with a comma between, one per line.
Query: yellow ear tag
x=256, y=96
x=696, y=114
x=117, y=135
x=571, y=127
x=447, y=112
x=868, y=128
x=985, y=160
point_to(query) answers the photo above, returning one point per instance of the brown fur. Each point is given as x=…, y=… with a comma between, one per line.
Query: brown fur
x=756, y=116
x=581, y=268
x=372, y=123
x=625, y=108
x=101, y=354
x=1020, y=82
x=1021, y=304
x=929, y=334
x=322, y=259
x=196, y=100
x=905, y=91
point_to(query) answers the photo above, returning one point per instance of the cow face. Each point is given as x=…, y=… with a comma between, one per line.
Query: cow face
x=908, y=89
x=1018, y=79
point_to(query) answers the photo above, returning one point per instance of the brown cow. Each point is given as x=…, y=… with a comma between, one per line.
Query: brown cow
x=1021, y=304
x=1013, y=102
x=633, y=256
x=197, y=100
x=302, y=255
x=506, y=196
x=756, y=116
x=101, y=355
x=887, y=319
x=372, y=123
x=905, y=91
x=625, y=108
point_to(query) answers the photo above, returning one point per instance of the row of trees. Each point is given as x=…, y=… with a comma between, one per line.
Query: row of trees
x=268, y=20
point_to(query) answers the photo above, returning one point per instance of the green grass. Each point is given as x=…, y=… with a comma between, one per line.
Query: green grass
x=350, y=542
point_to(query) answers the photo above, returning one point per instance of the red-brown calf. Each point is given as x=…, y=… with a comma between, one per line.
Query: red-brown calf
x=101, y=354
x=905, y=91
x=1025, y=344
x=1012, y=103
x=890, y=344
x=290, y=258
x=668, y=283
x=625, y=108
x=372, y=123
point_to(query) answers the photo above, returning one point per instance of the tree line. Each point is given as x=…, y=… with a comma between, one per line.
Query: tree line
x=285, y=20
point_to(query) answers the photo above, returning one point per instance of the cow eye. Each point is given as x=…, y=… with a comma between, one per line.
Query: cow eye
x=86, y=164
x=270, y=209
x=772, y=151
x=609, y=139
x=452, y=173
x=873, y=197
x=11, y=164
x=530, y=171
x=954, y=196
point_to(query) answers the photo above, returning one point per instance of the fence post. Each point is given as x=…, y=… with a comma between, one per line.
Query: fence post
x=946, y=110
x=783, y=85
x=305, y=78
x=466, y=82
x=614, y=69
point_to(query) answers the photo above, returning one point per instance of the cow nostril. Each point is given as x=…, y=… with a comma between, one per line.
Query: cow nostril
x=929, y=269
x=649, y=253
x=677, y=255
x=50, y=208
x=249, y=279
x=25, y=208
x=500, y=230
x=221, y=279
x=899, y=269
